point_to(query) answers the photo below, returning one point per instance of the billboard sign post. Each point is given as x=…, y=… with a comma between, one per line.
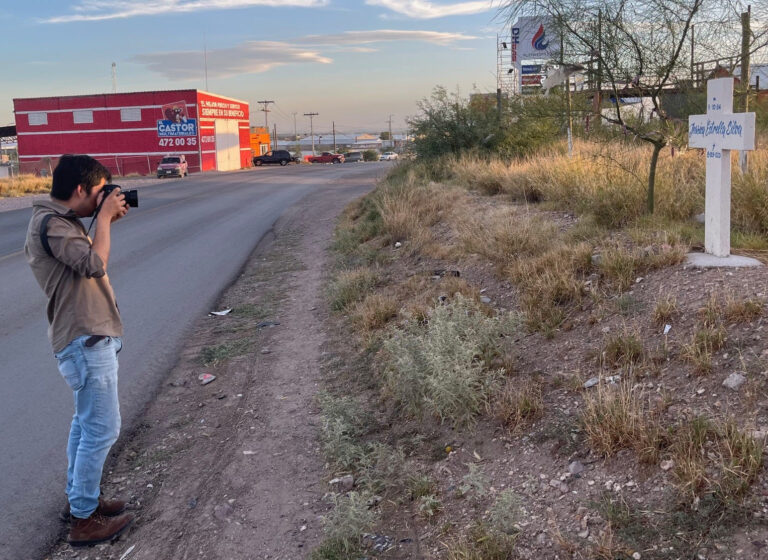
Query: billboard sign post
x=533, y=38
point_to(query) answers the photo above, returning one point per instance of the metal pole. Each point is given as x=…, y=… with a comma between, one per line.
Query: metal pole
x=745, y=36
x=312, y=128
x=295, y=134
x=693, y=58
x=567, y=93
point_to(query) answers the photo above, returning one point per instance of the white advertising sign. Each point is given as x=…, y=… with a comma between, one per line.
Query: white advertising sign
x=533, y=38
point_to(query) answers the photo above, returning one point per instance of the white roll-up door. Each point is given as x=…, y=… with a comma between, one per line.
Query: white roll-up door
x=227, y=144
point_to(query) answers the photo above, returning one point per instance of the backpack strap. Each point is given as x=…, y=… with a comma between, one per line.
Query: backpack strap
x=44, y=234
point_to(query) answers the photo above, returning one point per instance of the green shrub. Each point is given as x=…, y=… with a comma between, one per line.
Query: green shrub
x=344, y=526
x=440, y=368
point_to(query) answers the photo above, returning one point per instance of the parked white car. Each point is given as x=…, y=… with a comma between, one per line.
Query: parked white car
x=388, y=156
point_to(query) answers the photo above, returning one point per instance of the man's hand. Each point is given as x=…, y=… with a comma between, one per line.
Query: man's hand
x=114, y=206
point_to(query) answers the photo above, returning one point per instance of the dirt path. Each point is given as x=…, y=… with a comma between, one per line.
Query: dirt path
x=232, y=469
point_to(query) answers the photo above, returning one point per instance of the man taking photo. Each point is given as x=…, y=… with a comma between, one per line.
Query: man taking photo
x=84, y=329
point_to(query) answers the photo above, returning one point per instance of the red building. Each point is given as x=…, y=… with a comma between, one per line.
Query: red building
x=131, y=132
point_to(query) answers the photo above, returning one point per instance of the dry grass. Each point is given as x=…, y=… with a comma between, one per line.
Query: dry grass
x=706, y=340
x=504, y=234
x=410, y=208
x=665, y=309
x=419, y=294
x=482, y=543
x=375, y=311
x=742, y=310
x=714, y=459
x=550, y=282
x=622, y=265
x=620, y=417
x=351, y=286
x=518, y=402
x=608, y=181
x=24, y=185
x=623, y=349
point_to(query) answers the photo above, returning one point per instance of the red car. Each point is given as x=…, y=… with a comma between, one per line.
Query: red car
x=326, y=157
x=172, y=166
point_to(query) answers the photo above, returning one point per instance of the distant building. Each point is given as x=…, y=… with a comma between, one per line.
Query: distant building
x=131, y=132
x=260, y=141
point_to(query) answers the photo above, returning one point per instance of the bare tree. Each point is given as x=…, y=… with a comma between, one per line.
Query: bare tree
x=641, y=49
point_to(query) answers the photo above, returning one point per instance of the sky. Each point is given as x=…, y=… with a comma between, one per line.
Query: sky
x=355, y=62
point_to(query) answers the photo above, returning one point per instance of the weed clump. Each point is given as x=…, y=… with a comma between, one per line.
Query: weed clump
x=743, y=310
x=440, y=368
x=482, y=542
x=714, y=459
x=344, y=422
x=351, y=286
x=624, y=349
x=620, y=417
x=344, y=527
x=665, y=309
x=550, y=282
x=375, y=311
x=518, y=402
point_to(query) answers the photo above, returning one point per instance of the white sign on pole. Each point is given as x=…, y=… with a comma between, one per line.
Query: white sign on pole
x=533, y=38
x=718, y=132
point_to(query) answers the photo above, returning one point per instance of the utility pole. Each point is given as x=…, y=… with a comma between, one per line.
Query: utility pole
x=334, y=136
x=567, y=96
x=266, y=112
x=745, y=36
x=312, y=128
x=392, y=141
x=274, y=142
x=694, y=80
x=295, y=134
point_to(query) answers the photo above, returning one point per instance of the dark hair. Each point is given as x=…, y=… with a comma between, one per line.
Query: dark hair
x=74, y=170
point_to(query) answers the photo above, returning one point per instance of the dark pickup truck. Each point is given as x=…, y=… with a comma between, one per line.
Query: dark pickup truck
x=283, y=157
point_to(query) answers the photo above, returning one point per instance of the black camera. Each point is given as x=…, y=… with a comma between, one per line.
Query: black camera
x=131, y=197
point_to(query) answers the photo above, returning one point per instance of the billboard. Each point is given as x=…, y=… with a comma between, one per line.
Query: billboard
x=534, y=37
x=176, y=121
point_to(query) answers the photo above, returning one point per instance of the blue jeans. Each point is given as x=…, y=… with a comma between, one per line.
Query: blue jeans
x=91, y=373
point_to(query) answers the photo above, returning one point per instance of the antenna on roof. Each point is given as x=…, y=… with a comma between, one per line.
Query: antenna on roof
x=114, y=77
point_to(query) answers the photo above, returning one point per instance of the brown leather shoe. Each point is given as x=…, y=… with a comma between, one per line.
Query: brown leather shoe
x=97, y=528
x=110, y=508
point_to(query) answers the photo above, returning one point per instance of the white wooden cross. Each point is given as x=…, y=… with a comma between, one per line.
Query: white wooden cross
x=720, y=131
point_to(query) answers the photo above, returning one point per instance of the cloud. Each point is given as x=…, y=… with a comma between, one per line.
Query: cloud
x=251, y=57
x=422, y=9
x=382, y=35
x=96, y=10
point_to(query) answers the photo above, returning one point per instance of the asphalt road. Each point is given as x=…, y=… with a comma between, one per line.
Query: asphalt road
x=170, y=259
